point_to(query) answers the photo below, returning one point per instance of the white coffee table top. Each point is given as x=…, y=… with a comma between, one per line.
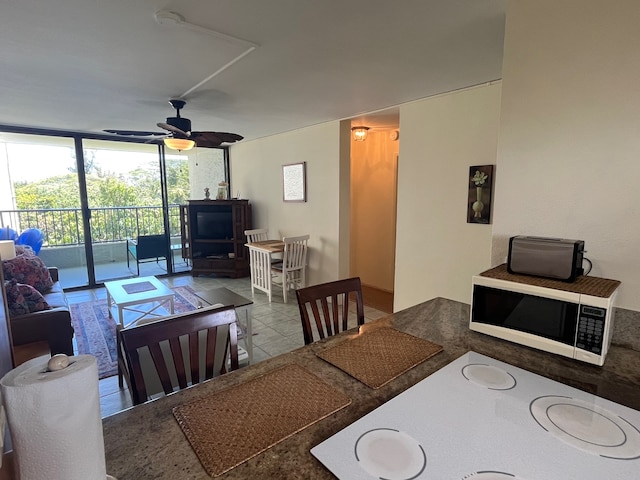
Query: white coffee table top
x=137, y=290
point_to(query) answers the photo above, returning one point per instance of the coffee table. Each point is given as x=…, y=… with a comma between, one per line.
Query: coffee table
x=133, y=295
x=243, y=307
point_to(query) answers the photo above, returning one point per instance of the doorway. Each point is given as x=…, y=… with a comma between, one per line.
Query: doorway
x=374, y=172
x=124, y=201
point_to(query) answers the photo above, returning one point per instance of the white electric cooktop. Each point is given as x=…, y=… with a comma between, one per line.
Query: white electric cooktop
x=482, y=419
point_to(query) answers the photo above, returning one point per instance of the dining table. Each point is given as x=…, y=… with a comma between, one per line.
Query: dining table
x=147, y=441
x=269, y=246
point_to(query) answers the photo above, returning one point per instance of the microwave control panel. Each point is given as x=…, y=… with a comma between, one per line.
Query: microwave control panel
x=591, y=329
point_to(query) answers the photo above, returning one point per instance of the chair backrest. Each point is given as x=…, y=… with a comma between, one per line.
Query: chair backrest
x=294, y=256
x=192, y=332
x=328, y=303
x=257, y=235
x=151, y=246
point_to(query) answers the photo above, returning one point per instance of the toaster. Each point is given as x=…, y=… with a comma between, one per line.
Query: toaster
x=557, y=258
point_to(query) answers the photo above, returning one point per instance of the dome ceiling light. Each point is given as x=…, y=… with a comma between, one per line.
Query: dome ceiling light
x=179, y=143
x=359, y=133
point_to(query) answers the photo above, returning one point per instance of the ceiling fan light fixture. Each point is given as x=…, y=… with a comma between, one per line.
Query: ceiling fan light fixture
x=359, y=133
x=179, y=144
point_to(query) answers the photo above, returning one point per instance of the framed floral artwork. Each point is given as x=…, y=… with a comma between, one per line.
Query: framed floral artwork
x=480, y=192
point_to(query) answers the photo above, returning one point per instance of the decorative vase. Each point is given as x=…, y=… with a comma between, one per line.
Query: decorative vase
x=478, y=205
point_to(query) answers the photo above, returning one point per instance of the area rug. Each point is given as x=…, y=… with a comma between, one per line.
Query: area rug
x=95, y=332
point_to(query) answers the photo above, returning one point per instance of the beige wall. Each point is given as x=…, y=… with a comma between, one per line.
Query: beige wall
x=568, y=161
x=373, y=209
x=569, y=152
x=437, y=251
x=256, y=172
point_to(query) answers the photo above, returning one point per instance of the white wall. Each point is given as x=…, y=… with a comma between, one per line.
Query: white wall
x=6, y=187
x=437, y=251
x=256, y=172
x=206, y=170
x=569, y=151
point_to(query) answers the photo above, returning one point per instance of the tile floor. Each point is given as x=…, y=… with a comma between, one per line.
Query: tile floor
x=276, y=326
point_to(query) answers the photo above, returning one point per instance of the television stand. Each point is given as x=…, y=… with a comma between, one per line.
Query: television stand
x=213, y=236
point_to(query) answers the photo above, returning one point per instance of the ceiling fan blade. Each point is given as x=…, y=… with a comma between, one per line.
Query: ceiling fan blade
x=222, y=137
x=180, y=127
x=173, y=129
x=208, y=141
x=135, y=133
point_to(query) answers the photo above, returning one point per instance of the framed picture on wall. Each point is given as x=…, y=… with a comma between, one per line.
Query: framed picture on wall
x=294, y=182
x=480, y=192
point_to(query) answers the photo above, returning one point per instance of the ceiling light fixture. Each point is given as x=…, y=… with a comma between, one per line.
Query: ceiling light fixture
x=359, y=133
x=179, y=143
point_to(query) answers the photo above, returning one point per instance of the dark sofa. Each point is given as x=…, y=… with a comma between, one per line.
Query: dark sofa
x=52, y=326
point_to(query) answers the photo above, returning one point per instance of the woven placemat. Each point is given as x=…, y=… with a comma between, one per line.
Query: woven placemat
x=379, y=355
x=594, y=286
x=236, y=424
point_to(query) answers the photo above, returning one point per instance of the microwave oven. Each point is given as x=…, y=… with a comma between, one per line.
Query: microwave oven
x=575, y=325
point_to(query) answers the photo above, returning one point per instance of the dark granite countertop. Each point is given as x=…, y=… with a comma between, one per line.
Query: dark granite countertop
x=145, y=442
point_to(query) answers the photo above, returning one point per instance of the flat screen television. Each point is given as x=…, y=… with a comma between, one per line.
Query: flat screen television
x=213, y=225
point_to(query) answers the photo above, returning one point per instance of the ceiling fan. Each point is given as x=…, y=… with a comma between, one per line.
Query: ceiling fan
x=180, y=136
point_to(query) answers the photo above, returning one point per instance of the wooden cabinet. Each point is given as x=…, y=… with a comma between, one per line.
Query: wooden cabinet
x=213, y=236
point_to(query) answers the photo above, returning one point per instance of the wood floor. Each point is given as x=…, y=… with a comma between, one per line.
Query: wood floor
x=377, y=298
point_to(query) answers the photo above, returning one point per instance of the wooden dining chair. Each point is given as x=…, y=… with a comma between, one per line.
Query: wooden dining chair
x=328, y=303
x=176, y=348
x=293, y=269
x=257, y=235
x=261, y=235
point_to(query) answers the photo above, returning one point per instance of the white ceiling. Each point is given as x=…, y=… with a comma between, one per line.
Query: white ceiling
x=93, y=65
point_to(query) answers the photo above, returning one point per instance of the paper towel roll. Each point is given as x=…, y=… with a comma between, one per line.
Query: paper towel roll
x=54, y=420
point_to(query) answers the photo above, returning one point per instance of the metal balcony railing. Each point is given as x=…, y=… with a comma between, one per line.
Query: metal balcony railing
x=63, y=226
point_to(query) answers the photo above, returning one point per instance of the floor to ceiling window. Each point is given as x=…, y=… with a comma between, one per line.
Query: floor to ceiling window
x=40, y=190
x=89, y=196
x=124, y=200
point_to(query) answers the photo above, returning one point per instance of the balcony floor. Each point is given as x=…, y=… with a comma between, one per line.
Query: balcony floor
x=75, y=277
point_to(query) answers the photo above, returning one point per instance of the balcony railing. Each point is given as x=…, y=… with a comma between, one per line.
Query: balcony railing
x=63, y=226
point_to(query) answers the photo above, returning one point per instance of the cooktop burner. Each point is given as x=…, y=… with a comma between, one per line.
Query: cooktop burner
x=587, y=427
x=390, y=454
x=480, y=419
x=489, y=376
x=491, y=476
